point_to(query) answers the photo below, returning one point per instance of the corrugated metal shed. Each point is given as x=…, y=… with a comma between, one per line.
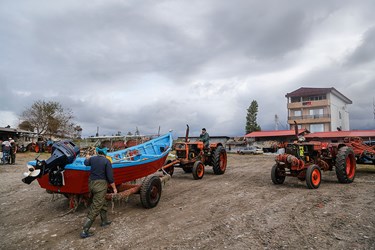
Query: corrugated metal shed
x=343, y=134
x=285, y=135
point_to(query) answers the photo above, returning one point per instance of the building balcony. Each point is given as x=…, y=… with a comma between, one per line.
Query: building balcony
x=309, y=119
x=308, y=104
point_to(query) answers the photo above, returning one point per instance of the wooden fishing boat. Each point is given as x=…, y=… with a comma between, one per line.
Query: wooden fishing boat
x=66, y=174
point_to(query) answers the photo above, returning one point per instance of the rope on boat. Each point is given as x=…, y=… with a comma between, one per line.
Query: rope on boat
x=130, y=189
x=123, y=196
x=165, y=178
x=118, y=198
x=113, y=204
x=72, y=210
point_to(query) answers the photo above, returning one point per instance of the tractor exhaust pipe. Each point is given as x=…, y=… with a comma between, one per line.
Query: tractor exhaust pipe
x=296, y=129
x=187, y=133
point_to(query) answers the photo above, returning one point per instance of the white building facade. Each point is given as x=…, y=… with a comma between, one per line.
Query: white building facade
x=318, y=109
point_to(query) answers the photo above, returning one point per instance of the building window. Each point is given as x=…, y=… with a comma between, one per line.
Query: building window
x=314, y=98
x=297, y=113
x=295, y=99
x=316, y=113
x=316, y=127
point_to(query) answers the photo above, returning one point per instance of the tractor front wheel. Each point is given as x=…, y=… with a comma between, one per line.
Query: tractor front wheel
x=198, y=170
x=277, y=174
x=313, y=176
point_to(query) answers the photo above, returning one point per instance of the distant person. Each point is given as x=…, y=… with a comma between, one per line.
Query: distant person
x=13, y=151
x=5, y=146
x=101, y=174
x=40, y=144
x=204, y=137
x=48, y=145
x=49, y=142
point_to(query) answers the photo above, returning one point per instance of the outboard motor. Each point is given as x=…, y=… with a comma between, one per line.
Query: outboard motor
x=63, y=153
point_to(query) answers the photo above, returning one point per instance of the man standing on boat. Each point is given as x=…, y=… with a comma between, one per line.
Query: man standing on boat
x=101, y=174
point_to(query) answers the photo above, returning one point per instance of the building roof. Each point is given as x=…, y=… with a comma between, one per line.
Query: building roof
x=15, y=130
x=334, y=134
x=303, y=91
x=342, y=134
x=274, y=133
x=211, y=137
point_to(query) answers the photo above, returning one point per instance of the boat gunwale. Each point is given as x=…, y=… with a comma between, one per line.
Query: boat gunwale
x=78, y=163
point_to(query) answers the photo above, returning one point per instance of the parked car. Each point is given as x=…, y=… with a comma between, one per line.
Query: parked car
x=250, y=150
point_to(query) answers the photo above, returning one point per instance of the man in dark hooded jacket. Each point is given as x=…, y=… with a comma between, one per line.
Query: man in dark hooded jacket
x=101, y=174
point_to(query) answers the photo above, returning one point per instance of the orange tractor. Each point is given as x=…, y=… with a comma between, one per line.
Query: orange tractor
x=192, y=157
x=306, y=160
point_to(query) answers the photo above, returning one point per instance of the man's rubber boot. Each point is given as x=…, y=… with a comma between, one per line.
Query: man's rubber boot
x=105, y=221
x=86, y=226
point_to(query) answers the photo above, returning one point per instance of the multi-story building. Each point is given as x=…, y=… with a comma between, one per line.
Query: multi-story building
x=318, y=109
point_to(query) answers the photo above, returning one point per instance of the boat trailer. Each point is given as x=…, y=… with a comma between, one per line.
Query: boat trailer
x=149, y=190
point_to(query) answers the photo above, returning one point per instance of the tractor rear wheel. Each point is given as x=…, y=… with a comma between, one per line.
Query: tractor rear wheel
x=313, y=176
x=345, y=165
x=219, y=160
x=277, y=174
x=150, y=191
x=198, y=170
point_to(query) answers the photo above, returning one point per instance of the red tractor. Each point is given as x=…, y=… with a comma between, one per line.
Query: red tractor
x=305, y=160
x=363, y=153
x=192, y=157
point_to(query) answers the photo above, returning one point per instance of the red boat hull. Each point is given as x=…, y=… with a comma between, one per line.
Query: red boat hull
x=76, y=181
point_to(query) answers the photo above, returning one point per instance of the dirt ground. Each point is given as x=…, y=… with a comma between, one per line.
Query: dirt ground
x=241, y=209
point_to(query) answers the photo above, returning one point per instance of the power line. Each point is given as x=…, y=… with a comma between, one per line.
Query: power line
x=279, y=124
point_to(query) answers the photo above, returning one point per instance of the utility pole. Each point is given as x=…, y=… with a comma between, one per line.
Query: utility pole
x=276, y=122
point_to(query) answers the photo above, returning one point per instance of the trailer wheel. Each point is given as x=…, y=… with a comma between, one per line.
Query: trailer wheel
x=277, y=174
x=198, y=170
x=150, y=191
x=313, y=176
x=345, y=165
x=219, y=160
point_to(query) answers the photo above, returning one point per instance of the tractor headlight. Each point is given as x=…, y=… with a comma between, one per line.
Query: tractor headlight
x=180, y=146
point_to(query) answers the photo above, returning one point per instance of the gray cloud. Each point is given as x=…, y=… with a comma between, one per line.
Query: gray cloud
x=365, y=52
x=122, y=65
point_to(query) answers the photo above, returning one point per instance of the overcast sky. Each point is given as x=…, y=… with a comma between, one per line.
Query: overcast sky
x=119, y=65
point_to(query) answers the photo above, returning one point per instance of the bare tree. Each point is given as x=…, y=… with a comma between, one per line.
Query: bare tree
x=49, y=118
x=25, y=125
